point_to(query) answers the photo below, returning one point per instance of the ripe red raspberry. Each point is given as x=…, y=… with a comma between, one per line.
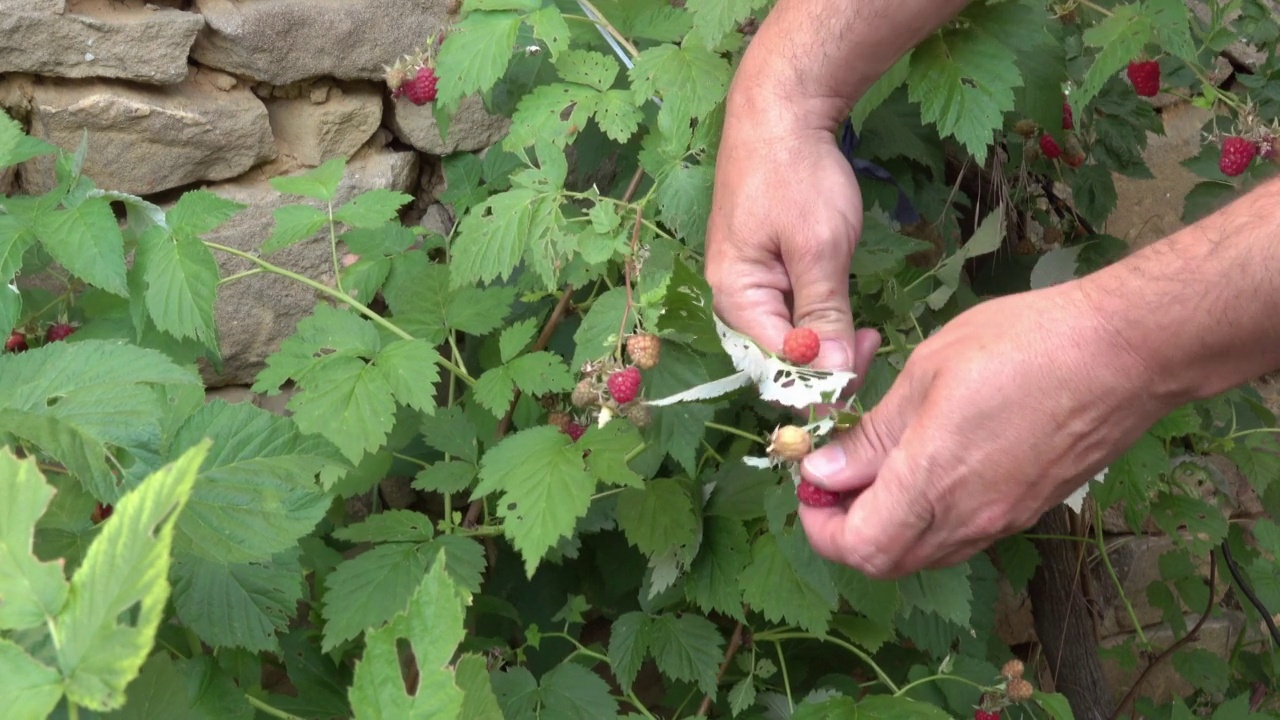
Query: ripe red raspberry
x=1145, y=76
x=814, y=496
x=800, y=346
x=624, y=384
x=100, y=512
x=1068, y=118
x=1237, y=154
x=16, y=342
x=574, y=430
x=980, y=714
x=1075, y=160
x=1050, y=147
x=58, y=331
x=421, y=88
x=644, y=350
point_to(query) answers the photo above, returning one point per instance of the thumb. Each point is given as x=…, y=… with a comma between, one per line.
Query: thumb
x=819, y=273
x=852, y=460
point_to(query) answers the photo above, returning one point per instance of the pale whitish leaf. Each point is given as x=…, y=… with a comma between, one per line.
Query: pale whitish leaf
x=776, y=380
x=628, y=647
x=541, y=373
x=471, y=673
x=658, y=516
x=199, y=211
x=30, y=688
x=86, y=240
x=389, y=526
x=320, y=183
x=349, y=403
x=31, y=591
x=294, y=223
x=1120, y=37
x=963, y=80
x=16, y=147
x=126, y=566
x=433, y=627
x=544, y=486
x=150, y=210
x=550, y=27
x=687, y=648
x=372, y=208
x=182, y=283
x=188, y=688
x=257, y=492
x=713, y=20
x=239, y=604
x=475, y=54
x=587, y=67
x=1075, y=500
x=516, y=338
x=618, y=115
x=690, y=79
x=410, y=369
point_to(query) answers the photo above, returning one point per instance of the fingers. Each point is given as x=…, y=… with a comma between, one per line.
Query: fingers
x=819, y=269
x=852, y=460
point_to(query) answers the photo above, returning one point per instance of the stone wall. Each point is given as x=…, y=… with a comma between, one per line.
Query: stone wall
x=224, y=95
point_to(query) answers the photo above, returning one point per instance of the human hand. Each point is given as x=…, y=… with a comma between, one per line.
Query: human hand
x=786, y=213
x=996, y=418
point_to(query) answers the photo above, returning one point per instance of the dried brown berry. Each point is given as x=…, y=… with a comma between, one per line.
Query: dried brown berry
x=638, y=413
x=559, y=419
x=585, y=394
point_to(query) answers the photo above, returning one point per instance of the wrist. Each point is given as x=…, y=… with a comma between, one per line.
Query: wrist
x=766, y=98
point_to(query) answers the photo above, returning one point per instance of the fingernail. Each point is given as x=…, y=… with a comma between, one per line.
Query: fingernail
x=834, y=355
x=823, y=466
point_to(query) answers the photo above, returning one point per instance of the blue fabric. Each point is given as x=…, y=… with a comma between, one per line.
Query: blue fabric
x=905, y=212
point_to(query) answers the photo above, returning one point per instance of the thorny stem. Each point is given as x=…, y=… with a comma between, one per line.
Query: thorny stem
x=341, y=297
x=735, y=642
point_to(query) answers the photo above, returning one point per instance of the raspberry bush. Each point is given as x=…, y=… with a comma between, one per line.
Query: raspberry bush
x=572, y=551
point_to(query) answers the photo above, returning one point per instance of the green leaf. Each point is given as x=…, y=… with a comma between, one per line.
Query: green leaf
x=713, y=20
x=328, y=333
x=773, y=588
x=1056, y=704
x=880, y=90
x=475, y=54
x=294, y=223
x=687, y=648
x=684, y=201
x=409, y=368
x=550, y=27
x=946, y=592
x=367, y=590
x=257, y=492
x=617, y=115
x=712, y=583
x=192, y=689
x=348, y=402
x=372, y=208
x=182, y=284
x=31, y=591
x=425, y=305
x=963, y=80
x=607, y=449
x=516, y=338
x=544, y=486
x=690, y=79
x=628, y=647
x=1204, y=524
x=472, y=677
x=887, y=707
x=320, y=183
x=572, y=692
x=541, y=373
x=446, y=477
x=451, y=432
x=1120, y=37
x=587, y=67
x=493, y=237
x=200, y=211
x=86, y=240
x=30, y=688
x=16, y=147
x=1204, y=669
x=601, y=325
x=658, y=517
x=1169, y=20
x=1094, y=192
x=126, y=566
x=390, y=238
x=495, y=389
x=432, y=626
x=238, y=605
x=389, y=526
x=1018, y=560
x=1256, y=457
x=555, y=112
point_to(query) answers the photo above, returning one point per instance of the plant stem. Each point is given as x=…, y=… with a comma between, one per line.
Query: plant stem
x=903, y=690
x=786, y=678
x=735, y=642
x=73, y=710
x=602, y=21
x=268, y=709
x=407, y=458
x=333, y=250
x=734, y=431
x=776, y=636
x=237, y=276
x=1115, y=578
x=1095, y=7
x=341, y=297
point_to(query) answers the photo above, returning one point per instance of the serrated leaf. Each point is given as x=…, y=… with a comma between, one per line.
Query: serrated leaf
x=327, y=334
x=712, y=583
x=554, y=112
x=451, y=432
x=1094, y=190
x=31, y=591
x=372, y=208
x=475, y=54
x=628, y=646
x=446, y=477
x=370, y=588
x=1120, y=37
x=601, y=324
x=963, y=80
x=587, y=67
x=390, y=238
x=257, y=492
x=572, y=692
x=544, y=486
x=713, y=20
x=617, y=114
x=189, y=688
x=771, y=586
x=1018, y=560
x=880, y=90
x=541, y=373
x=16, y=147
x=294, y=223
x=86, y=240
x=389, y=526
x=684, y=201
x=607, y=449
x=550, y=27
x=494, y=390
x=690, y=79
x=348, y=402
x=432, y=625
x=30, y=688
x=182, y=284
x=126, y=566
x=493, y=237
x=1256, y=457
x=1169, y=20
x=478, y=702
x=200, y=211
x=409, y=367
x=319, y=183
x=687, y=648
x=516, y=338
x=946, y=592
x=241, y=604
x=657, y=517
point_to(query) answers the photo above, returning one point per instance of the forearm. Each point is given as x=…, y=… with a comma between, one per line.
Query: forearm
x=812, y=59
x=1201, y=308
